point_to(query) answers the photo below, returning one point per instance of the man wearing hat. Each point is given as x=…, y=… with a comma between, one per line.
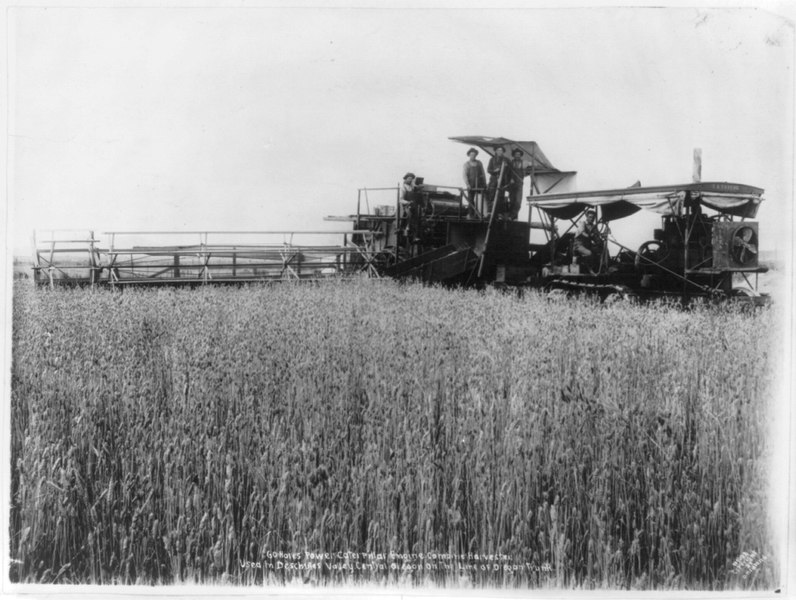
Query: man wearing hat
x=499, y=169
x=588, y=243
x=515, y=189
x=474, y=181
x=407, y=196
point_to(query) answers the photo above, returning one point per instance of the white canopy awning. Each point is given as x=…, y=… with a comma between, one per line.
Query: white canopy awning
x=739, y=200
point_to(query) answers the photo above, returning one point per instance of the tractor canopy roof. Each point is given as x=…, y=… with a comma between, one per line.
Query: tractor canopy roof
x=532, y=153
x=727, y=198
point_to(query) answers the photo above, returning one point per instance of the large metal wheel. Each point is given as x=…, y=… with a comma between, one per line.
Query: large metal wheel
x=556, y=291
x=748, y=298
x=387, y=258
x=557, y=294
x=620, y=295
x=742, y=292
x=651, y=254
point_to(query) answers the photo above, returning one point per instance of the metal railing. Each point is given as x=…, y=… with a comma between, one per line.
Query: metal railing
x=200, y=257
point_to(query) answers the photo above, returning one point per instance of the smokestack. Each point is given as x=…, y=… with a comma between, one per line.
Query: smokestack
x=697, y=175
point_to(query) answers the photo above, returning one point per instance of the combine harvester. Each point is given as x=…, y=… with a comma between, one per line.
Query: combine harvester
x=706, y=246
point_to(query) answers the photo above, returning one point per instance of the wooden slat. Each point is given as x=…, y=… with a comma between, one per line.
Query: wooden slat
x=229, y=233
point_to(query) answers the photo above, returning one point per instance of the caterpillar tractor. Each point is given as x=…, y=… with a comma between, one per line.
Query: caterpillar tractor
x=692, y=254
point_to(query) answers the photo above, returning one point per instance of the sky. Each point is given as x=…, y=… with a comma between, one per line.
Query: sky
x=258, y=118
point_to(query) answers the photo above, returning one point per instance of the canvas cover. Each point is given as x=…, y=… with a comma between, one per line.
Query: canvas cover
x=532, y=153
x=726, y=198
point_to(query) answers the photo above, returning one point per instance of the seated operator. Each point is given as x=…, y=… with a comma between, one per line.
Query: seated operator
x=588, y=244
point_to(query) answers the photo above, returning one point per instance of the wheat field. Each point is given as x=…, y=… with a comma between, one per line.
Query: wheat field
x=375, y=432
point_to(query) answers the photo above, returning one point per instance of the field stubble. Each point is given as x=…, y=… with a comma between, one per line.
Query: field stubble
x=179, y=436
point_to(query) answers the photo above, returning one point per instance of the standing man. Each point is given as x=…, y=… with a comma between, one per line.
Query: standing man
x=499, y=169
x=474, y=181
x=517, y=176
x=406, y=197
